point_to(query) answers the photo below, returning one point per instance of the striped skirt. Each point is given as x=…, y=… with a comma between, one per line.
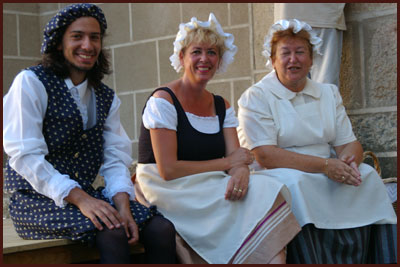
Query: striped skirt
x=375, y=243
x=252, y=230
x=268, y=238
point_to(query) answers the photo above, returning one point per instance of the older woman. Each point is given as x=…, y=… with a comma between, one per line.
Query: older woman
x=192, y=168
x=299, y=131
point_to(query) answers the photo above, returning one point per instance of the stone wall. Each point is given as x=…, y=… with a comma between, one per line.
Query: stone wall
x=369, y=78
x=140, y=44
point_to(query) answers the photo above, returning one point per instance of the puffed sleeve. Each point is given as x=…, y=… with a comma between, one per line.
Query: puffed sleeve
x=117, y=155
x=230, y=119
x=159, y=113
x=256, y=123
x=344, y=131
x=24, y=108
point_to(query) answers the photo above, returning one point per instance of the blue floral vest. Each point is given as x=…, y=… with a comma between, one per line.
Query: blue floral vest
x=72, y=150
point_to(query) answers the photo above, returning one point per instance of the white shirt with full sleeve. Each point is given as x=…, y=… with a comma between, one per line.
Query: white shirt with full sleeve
x=311, y=122
x=159, y=113
x=24, y=108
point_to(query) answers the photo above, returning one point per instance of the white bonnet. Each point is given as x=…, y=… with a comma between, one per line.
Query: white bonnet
x=213, y=24
x=297, y=26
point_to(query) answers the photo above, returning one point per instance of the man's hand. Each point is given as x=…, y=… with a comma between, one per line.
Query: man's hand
x=95, y=209
x=121, y=201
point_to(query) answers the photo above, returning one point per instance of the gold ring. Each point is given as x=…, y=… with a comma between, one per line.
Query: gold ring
x=235, y=189
x=240, y=190
x=343, y=178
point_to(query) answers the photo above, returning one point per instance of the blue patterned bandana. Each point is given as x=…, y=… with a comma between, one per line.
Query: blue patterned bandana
x=55, y=28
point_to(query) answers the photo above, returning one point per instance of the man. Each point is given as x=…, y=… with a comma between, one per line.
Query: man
x=328, y=21
x=61, y=127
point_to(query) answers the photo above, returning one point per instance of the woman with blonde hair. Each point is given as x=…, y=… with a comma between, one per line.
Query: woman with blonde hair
x=192, y=167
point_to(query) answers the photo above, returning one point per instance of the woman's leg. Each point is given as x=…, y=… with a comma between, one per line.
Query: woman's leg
x=330, y=246
x=158, y=238
x=383, y=244
x=279, y=258
x=113, y=246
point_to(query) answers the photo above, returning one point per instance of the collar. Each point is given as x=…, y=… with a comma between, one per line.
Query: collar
x=82, y=87
x=272, y=82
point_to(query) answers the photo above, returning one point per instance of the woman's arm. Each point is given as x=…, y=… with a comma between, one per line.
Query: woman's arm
x=164, y=144
x=165, y=152
x=238, y=183
x=346, y=151
x=352, y=155
x=272, y=157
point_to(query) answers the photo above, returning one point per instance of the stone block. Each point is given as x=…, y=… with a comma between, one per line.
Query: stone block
x=109, y=79
x=388, y=166
x=29, y=34
x=239, y=13
x=21, y=7
x=368, y=7
x=118, y=26
x=10, y=45
x=376, y=132
x=48, y=7
x=4, y=158
x=66, y=4
x=154, y=20
x=11, y=67
x=127, y=114
x=202, y=10
x=135, y=150
x=380, y=42
x=238, y=89
x=165, y=50
x=6, y=199
x=221, y=88
x=241, y=66
x=136, y=67
x=6, y=202
x=141, y=99
x=263, y=18
x=43, y=19
x=350, y=71
x=259, y=76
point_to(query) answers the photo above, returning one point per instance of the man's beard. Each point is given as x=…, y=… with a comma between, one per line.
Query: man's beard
x=79, y=68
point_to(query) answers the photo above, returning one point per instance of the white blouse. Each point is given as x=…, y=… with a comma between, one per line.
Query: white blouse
x=159, y=113
x=273, y=115
x=24, y=108
x=311, y=122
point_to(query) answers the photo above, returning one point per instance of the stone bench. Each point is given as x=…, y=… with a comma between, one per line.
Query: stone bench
x=61, y=251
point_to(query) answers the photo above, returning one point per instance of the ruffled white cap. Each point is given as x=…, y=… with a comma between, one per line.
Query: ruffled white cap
x=213, y=24
x=297, y=26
